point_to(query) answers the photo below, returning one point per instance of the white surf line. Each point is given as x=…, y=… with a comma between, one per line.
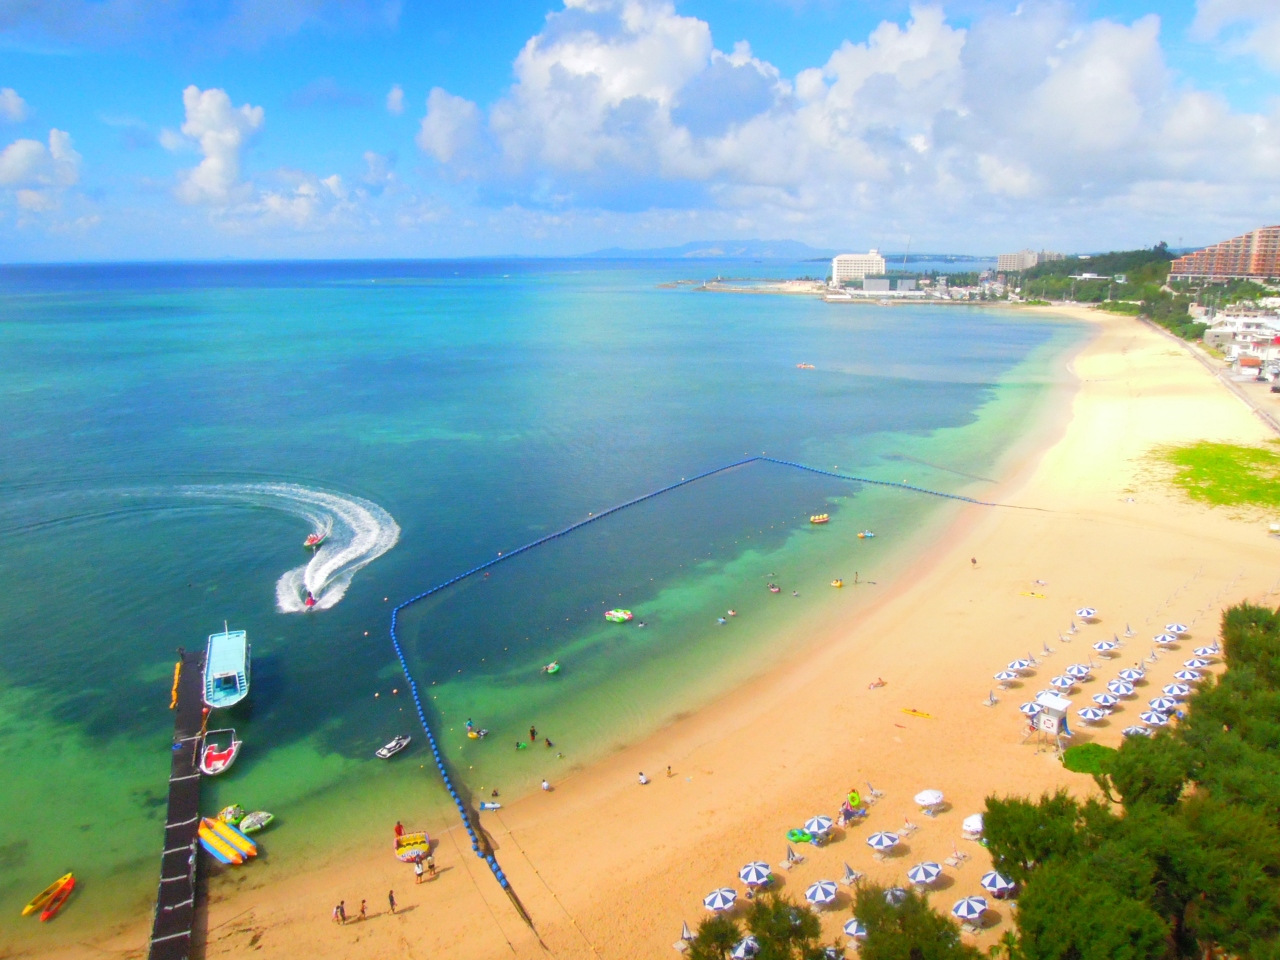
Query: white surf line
x=359, y=531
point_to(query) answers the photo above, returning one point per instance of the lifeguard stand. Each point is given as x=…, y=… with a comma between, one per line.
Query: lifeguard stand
x=1051, y=721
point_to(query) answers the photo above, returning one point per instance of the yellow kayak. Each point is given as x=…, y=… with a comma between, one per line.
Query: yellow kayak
x=44, y=896
x=918, y=713
x=233, y=837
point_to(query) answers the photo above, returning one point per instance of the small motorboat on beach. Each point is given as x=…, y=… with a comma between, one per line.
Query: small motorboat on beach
x=41, y=899
x=820, y=518
x=216, y=759
x=618, y=616
x=59, y=898
x=390, y=749
x=253, y=822
x=413, y=846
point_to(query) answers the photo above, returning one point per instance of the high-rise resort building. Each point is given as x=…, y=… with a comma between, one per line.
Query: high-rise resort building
x=1024, y=260
x=1255, y=254
x=855, y=266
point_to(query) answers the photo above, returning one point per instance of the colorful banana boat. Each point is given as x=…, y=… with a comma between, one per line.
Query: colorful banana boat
x=57, y=900
x=819, y=518
x=217, y=847
x=41, y=899
x=232, y=837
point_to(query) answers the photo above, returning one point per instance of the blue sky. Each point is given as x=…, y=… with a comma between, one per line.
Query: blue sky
x=316, y=128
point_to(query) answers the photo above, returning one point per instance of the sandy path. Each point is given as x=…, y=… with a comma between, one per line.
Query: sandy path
x=610, y=869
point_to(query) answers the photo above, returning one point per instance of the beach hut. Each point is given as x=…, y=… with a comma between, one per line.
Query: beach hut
x=718, y=901
x=1121, y=688
x=996, y=884
x=929, y=801
x=821, y=893
x=755, y=874
x=925, y=873
x=970, y=908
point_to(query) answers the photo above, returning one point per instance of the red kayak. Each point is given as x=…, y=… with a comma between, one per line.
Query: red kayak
x=55, y=903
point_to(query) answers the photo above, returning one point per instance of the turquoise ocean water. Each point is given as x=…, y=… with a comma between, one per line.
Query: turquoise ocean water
x=172, y=432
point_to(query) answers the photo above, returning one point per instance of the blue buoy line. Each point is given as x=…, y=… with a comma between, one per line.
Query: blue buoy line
x=481, y=849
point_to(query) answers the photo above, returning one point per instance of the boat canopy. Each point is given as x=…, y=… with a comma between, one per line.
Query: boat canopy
x=226, y=668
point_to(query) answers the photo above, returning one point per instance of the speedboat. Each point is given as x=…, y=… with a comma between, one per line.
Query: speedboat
x=315, y=539
x=395, y=746
x=226, y=668
x=820, y=518
x=215, y=759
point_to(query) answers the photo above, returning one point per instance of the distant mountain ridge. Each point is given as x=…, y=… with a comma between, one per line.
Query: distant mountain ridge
x=719, y=250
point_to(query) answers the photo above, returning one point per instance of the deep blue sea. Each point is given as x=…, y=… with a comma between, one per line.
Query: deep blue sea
x=172, y=432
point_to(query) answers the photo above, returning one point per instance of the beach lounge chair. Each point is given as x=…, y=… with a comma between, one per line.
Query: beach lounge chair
x=851, y=876
x=968, y=927
x=908, y=828
x=991, y=700
x=952, y=861
x=873, y=793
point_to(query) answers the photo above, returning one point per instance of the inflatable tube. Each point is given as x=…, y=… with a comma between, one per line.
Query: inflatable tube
x=799, y=836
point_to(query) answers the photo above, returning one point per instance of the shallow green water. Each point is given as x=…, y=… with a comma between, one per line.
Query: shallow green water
x=144, y=410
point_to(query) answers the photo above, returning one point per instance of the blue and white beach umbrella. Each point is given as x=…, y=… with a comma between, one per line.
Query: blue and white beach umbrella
x=894, y=896
x=854, y=928
x=1163, y=704
x=745, y=948
x=1121, y=688
x=1092, y=714
x=1020, y=665
x=1105, y=700
x=1176, y=690
x=1164, y=638
x=1189, y=676
x=1031, y=708
x=719, y=900
x=1136, y=731
x=1105, y=646
x=924, y=873
x=1078, y=670
x=1178, y=628
x=1086, y=613
x=1205, y=651
x=1132, y=674
x=755, y=874
x=1004, y=676
x=882, y=840
x=996, y=884
x=1063, y=683
x=970, y=908
x=1154, y=718
x=821, y=893
x=1196, y=663
x=818, y=825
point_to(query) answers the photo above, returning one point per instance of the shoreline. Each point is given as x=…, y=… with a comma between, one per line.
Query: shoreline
x=609, y=869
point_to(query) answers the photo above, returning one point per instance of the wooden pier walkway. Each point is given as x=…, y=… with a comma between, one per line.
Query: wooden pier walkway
x=176, y=901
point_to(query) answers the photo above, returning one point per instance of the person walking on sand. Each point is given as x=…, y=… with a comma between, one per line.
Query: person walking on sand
x=399, y=829
x=391, y=899
x=417, y=871
x=974, y=561
x=364, y=910
x=431, y=867
x=342, y=912
x=337, y=914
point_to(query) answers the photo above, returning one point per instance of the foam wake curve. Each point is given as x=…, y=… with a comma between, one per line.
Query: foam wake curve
x=357, y=532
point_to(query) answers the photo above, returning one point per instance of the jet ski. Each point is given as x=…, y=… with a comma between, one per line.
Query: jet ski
x=395, y=746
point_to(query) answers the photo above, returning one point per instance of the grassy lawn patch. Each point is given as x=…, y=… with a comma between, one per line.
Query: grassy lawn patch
x=1086, y=758
x=1227, y=475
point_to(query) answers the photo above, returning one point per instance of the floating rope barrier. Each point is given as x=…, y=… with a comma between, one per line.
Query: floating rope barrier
x=481, y=848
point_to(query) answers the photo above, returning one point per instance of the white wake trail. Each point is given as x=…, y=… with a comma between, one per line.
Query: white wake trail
x=359, y=531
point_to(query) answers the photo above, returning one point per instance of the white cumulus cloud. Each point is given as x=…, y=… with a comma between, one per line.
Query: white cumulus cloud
x=12, y=106
x=32, y=163
x=220, y=131
x=1254, y=23
x=395, y=100
x=450, y=126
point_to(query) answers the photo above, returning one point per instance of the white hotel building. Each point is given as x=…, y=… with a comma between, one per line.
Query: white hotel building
x=855, y=266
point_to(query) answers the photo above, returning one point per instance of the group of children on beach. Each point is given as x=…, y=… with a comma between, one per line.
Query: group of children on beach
x=340, y=911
